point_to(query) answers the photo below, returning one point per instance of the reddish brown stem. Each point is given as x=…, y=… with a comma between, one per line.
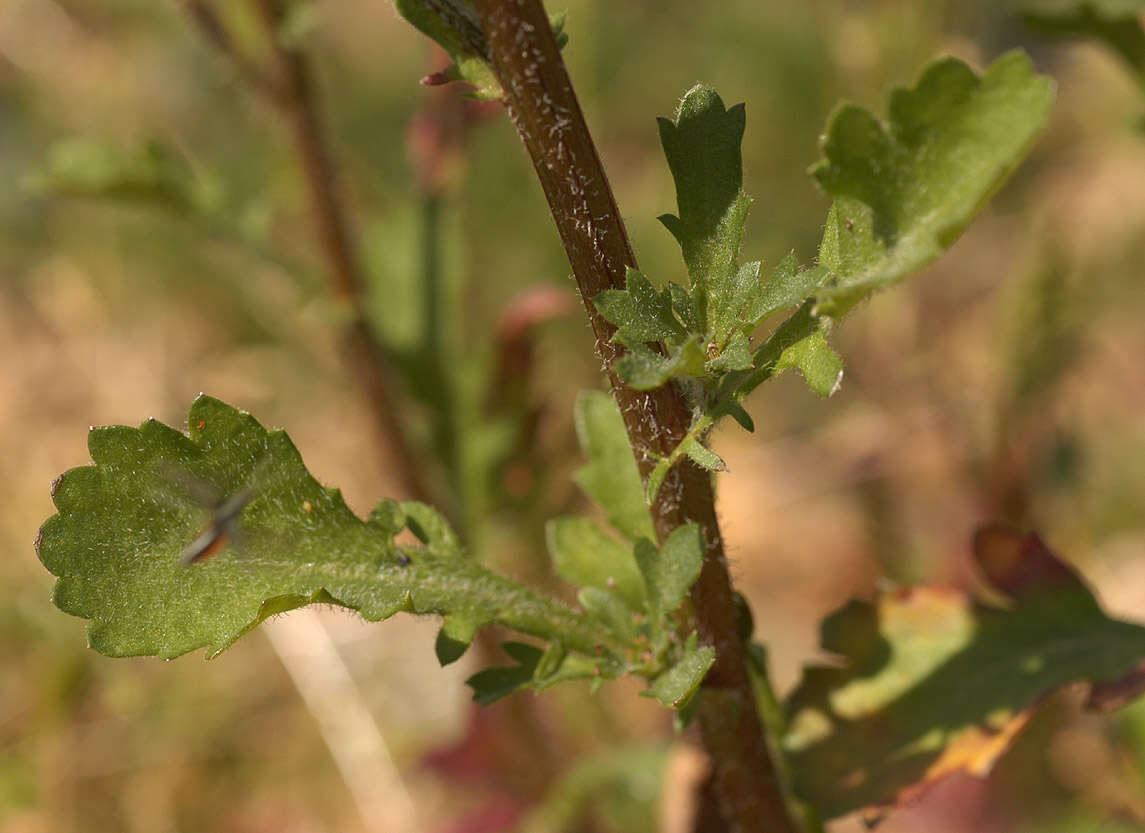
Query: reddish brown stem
x=549, y=120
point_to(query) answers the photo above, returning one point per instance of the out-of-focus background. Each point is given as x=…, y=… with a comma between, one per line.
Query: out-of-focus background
x=1005, y=382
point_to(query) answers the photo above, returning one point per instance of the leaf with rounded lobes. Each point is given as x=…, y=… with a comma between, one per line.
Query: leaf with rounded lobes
x=676, y=686
x=586, y=556
x=933, y=683
x=123, y=525
x=905, y=190
x=702, y=145
x=610, y=477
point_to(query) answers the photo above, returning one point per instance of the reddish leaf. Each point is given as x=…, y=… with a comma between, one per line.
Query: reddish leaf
x=932, y=682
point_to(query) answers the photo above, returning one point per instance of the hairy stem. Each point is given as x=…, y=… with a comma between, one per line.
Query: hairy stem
x=288, y=85
x=549, y=120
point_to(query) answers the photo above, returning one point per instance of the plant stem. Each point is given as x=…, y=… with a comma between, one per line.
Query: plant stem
x=549, y=120
x=288, y=85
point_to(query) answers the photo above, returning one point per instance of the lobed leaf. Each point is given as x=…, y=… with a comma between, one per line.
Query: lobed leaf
x=933, y=683
x=119, y=542
x=640, y=313
x=702, y=145
x=905, y=190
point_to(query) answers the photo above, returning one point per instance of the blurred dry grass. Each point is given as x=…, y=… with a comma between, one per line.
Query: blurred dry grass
x=112, y=314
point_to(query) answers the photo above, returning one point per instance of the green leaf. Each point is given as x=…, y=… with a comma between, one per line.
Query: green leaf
x=702, y=145
x=801, y=343
x=454, y=638
x=821, y=366
x=431, y=528
x=492, y=684
x=736, y=355
x=1115, y=22
x=610, y=609
x=455, y=26
x=933, y=683
x=585, y=556
x=670, y=572
x=640, y=313
x=701, y=455
x=787, y=287
x=685, y=308
x=676, y=686
x=905, y=190
x=154, y=173
x=119, y=541
x=645, y=369
x=611, y=478
x=535, y=668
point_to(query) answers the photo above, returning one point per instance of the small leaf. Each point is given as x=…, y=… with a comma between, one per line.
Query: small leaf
x=736, y=412
x=455, y=26
x=656, y=478
x=644, y=369
x=821, y=366
x=676, y=686
x=454, y=638
x=701, y=455
x=904, y=191
x=702, y=145
x=685, y=308
x=640, y=313
x=492, y=684
x=933, y=683
x=431, y=528
x=800, y=342
x=610, y=609
x=736, y=355
x=787, y=287
x=535, y=669
x=670, y=572
x=610, y=478
x=585, y=556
